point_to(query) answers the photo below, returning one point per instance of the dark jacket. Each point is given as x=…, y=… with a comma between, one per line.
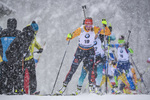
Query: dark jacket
x=19, y=47
x=7, y=36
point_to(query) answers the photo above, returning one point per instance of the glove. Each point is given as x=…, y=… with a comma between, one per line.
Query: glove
x=131, y=51
x=98, y=58
x=69, y=36
x=104, y=22
x=110, y=27
x=40, y=50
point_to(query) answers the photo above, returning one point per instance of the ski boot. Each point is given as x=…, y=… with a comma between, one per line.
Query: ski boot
x=78, y=91
x=91, y=90
x=61, y=90
x=117, y=91
x=98, y=90
x=19, y=92
x=112, y=91
x=133, y=92
x=36, y=93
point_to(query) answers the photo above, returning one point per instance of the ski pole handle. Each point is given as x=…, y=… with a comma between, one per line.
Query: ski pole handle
x=84, y=7
x=128, y=35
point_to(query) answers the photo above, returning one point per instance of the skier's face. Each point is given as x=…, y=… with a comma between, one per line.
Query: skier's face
x=88, y=27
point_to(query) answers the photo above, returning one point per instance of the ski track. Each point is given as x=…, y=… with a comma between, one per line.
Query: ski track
x=78, y=97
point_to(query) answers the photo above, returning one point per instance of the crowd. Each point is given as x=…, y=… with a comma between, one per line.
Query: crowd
x=16, y=53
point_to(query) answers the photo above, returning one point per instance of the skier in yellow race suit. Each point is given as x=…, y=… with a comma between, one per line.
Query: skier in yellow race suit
x=85, y=50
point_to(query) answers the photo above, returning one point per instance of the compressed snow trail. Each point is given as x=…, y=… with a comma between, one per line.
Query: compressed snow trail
x=79, y=97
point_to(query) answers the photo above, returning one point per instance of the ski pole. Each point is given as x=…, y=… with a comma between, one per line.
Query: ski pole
x=35, y=51
x=40, y=54
x=146, y=70
x=60, y=67
x=106, y=63
x=128, y=35
x=38, y=51
x=84, y=7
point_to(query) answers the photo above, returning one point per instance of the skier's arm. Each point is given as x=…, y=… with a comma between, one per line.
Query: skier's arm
x=37, y=45
x=134, y=75
x=76, y=33
x=98, y=30
x=130, y=50
x=114, y=45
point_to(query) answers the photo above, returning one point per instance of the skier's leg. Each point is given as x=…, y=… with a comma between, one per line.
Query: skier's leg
x=77, y=59
x=99, y=74
x=117, y=75
x=91, y=68
x=82, y=76
x=32, y=74
x=128, y=75
x=18, y=85
x=99, y=78
x=81, y=80
x=10, y=79
x=134, y=75
x=108, y=80
x=16, y=80
x=3, y=77
x=25, y=77
x=90, y=57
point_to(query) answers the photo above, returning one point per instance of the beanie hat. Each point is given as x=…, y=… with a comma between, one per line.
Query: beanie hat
x=88, y=20
x=35, y=26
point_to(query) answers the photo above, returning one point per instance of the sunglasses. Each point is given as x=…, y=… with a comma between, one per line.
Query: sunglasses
x=121, y=41
x=88, y=26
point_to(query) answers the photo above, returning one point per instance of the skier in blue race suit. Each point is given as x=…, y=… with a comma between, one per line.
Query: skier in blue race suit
x=123, y=64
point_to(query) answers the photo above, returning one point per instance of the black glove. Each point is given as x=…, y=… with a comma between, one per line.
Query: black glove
x=40, y=50
x=110, y=28
x=98, y=58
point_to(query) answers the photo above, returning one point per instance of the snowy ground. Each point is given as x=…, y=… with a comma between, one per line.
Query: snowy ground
x=79, y=97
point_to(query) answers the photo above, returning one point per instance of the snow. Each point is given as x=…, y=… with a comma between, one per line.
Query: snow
x=57, y=18
x=79, y=97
